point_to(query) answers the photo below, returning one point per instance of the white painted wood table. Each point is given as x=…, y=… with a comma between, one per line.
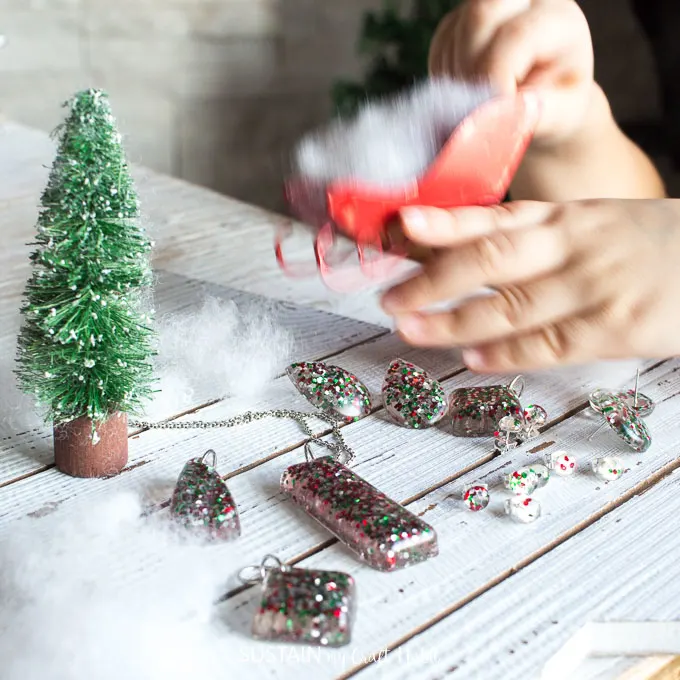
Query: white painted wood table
x=501, y=599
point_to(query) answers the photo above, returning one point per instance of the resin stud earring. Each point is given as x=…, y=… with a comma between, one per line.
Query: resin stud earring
x=527, y=479
x=411, y=397
x=513, y=431
x=202, y=499
x=561, y=463
x=476, y=496
x=477, y=411
x=331, y=389
x=623, y=412
x=608, y=469
x=523, y=509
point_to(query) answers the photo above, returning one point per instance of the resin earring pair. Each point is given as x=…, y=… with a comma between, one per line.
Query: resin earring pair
x=412, y=398
x=624, y=411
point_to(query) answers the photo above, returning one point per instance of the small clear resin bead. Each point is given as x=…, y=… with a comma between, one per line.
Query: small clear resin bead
x=523, y=509
x=527, y=479
x=608, y=469
x=561, y=463
x=476, y=496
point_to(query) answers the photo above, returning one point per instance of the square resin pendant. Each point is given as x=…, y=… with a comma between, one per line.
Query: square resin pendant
x=306, y=606
x=383, y=533
x=477, y=411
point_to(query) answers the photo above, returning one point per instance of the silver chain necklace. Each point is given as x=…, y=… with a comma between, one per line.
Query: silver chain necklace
x=340, y=448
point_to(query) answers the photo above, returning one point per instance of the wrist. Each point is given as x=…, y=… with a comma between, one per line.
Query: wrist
x=596, y=122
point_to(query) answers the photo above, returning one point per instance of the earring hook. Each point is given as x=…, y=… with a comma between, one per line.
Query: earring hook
x=213, y=457
x=517, y=386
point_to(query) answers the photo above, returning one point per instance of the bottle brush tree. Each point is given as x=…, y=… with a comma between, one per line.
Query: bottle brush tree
x=86, y=344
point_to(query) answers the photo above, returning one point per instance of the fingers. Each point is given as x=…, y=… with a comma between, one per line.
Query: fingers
x=511, y=310
x=551, y=34
x=490, y=261
x=574, y=340
x=439, y=228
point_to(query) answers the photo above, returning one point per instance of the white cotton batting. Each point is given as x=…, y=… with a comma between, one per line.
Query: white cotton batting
x=96, y=591
x=393, y=142
x=220, y=350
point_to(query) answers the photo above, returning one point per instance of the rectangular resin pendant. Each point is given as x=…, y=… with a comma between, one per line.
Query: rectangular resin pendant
x=306, y=606
x=383, y=533
x=476, y=411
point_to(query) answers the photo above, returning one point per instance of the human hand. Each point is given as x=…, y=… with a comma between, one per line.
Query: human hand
x=574, y=282
x=541, y=45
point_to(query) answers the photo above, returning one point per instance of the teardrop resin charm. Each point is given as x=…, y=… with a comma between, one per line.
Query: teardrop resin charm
x=411, y=397
x=202, y=500
x=383, y=533
x=331, y=389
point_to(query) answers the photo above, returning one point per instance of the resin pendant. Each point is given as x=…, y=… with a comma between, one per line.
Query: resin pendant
x=383, y=533
x=411, y=397
x=477, y=411
x=201, y=499
x=331, y=389
x=304, y=606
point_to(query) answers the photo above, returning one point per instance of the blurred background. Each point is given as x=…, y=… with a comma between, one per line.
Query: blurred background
x=218, y=91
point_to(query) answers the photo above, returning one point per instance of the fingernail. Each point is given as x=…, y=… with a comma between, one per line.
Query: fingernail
x=410, y=325
x=415, y=220
x=473, y=359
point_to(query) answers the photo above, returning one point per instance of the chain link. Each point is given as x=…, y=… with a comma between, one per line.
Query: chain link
x=340, y=448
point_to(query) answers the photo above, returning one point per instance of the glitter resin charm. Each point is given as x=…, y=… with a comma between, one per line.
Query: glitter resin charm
x=202, y=500
x=523, y=509
x=383, y=533
x=304, y=606
x=527, y=479
x=639, y=403
x=628, y=427
x=561, y=463
x=608, y=469
x=477, y=411
x=411, y=397
x=331, y=389
x=476, y=497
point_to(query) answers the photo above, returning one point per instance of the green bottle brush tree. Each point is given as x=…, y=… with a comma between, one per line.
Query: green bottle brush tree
x=86, y=345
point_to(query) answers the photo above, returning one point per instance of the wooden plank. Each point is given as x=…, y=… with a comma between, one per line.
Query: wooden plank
x=26, y=445
x=476, y=551
x=602, y=574
x=388, y=460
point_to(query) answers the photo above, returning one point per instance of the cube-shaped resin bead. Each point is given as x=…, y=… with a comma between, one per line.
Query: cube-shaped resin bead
x=306, y=606
x=383, y=533
x=477, y=411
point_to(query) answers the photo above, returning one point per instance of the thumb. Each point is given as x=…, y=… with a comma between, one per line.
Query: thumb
x=440, y=228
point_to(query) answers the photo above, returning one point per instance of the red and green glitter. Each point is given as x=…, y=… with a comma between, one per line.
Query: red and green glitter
x=306, y=606
x=383, y=533
x=411, y=397
x=477, y=411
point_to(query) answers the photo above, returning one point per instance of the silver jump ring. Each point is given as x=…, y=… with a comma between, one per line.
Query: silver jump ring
x=213, y=457
x=517, y=386
x=260, y=572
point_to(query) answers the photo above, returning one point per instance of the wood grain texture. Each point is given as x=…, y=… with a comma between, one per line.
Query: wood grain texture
x=486, y=606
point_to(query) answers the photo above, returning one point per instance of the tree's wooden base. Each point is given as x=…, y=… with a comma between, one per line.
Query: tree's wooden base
x=77, y=455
